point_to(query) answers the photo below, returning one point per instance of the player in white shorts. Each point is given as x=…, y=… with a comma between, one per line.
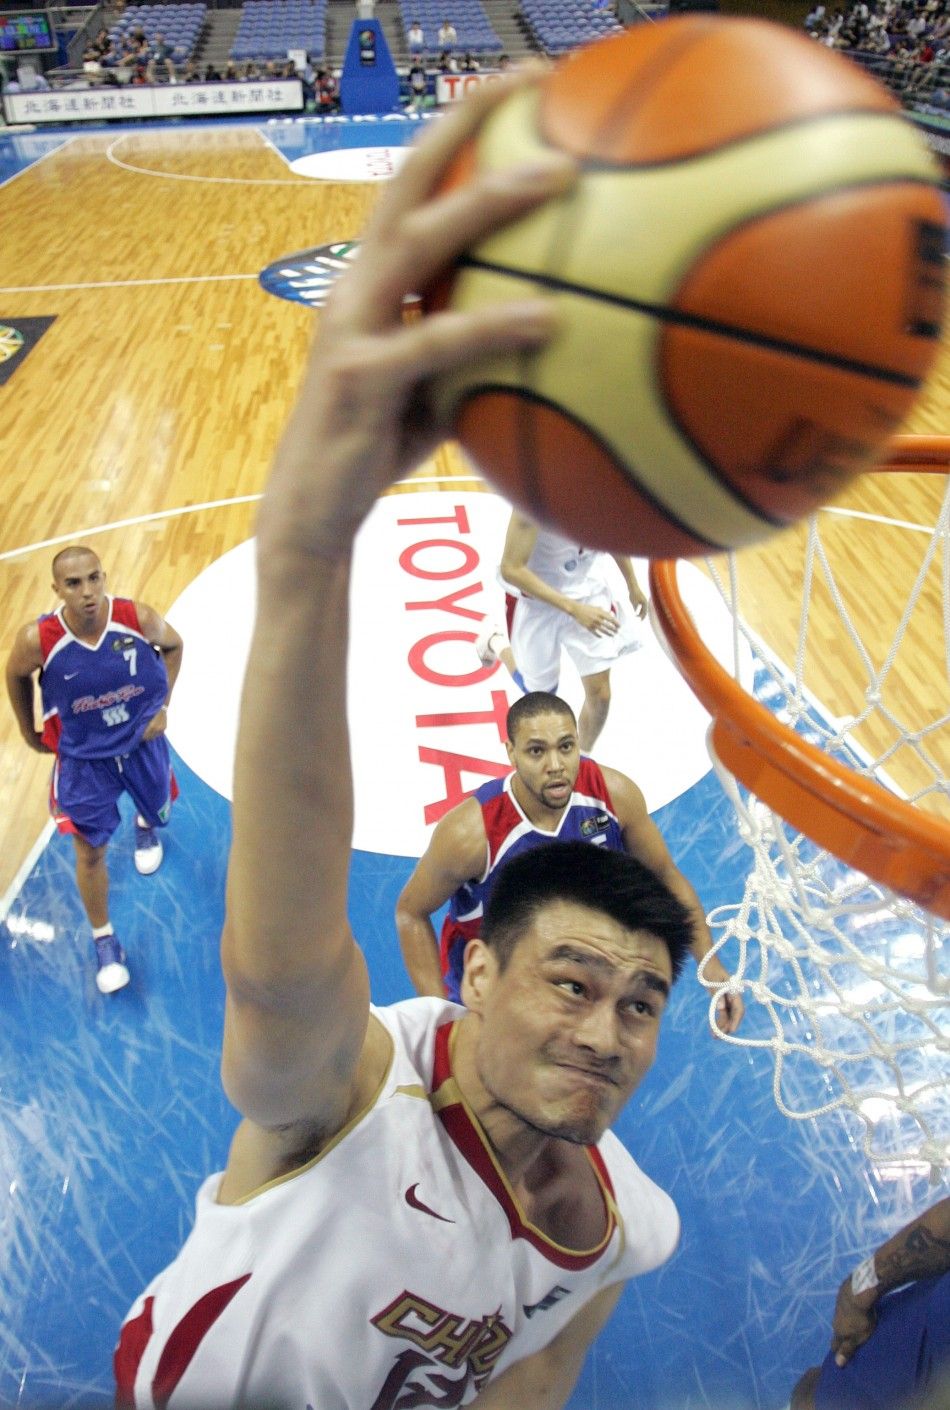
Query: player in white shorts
x=564, y=601
x=422, y=1205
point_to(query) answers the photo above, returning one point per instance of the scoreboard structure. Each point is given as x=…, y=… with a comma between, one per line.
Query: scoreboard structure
x=26, y=32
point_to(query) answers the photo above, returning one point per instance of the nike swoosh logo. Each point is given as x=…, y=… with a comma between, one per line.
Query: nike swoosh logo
x=69, y=675
x=414, y=1202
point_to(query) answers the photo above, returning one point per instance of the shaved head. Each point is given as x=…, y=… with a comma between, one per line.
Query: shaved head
x=64, y=556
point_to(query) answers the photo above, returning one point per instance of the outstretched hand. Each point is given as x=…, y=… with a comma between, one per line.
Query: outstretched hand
x=363, y=417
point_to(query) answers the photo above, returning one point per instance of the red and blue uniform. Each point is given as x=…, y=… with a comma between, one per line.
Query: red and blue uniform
x=588, y=817
x=98, y=699
x=906, y=1360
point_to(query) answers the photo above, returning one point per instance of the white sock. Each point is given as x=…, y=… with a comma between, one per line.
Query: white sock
x=99, y=932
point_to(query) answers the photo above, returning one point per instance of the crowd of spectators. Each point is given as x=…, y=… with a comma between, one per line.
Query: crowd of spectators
x=907, y=42
x=139, y=62
x=133, y=58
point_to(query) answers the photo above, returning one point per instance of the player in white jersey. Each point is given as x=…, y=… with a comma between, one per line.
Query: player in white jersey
x=566, y=602
x=423, y=1205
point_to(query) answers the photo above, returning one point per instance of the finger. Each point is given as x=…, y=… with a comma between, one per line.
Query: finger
x=431, y=158
x=428, y=239
x=845, y=1348
x=438, y=344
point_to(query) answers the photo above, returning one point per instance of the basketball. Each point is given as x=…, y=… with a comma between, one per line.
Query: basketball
x=749, y=281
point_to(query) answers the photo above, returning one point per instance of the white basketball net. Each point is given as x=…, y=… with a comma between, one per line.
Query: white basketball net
x=854, y=979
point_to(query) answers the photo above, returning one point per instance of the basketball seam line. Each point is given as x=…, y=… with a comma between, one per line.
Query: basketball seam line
x=604, y=165
x=665, y=314
x=639, y=90
x=528, y=394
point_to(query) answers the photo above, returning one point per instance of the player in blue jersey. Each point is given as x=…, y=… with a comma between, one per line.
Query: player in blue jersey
x=554, y=792
x=107, y=667
x=890, y=1348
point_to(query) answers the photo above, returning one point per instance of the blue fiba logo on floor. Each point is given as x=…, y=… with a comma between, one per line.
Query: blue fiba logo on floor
x=307, y=277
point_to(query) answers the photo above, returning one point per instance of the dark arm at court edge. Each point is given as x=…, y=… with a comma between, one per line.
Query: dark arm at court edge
x=423, y=1203
x=908, y=1349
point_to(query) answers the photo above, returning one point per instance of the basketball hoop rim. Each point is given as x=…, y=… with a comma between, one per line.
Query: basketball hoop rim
x=855, y=818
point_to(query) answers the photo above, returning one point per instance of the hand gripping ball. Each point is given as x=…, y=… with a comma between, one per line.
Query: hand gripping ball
x=749, y=277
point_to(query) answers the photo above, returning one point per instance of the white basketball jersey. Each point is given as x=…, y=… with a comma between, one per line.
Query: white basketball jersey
x=394, y=1269
x=571, y=570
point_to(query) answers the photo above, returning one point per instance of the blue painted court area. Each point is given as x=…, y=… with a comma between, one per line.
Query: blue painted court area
x=111, y=1114
x=19, y=150
x=293, y=137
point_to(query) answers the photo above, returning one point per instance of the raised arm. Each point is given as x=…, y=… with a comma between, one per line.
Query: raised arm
x=457, y=852
x=24, y=661
x=519, y=542
x=297, y=990
x=643, y=840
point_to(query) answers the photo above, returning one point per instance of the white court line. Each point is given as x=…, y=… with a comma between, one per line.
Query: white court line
x=879, y=519
x=126, y=283
x=303, y=182
x=26, y=866
x=276, y=150
x=127, y=524
x=97, y=529
x=41, y=158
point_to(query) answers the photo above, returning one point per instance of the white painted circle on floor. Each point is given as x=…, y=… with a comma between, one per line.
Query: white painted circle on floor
x=426, y=719
x=352, y=164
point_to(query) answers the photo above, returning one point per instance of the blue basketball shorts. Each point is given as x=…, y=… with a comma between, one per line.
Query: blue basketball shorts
x=84, y=793
x=906, y=1358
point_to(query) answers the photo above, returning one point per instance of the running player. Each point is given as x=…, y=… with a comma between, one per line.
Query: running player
x=562, y=599
x=106, y=667
x=553, y=792
x=422, y=1203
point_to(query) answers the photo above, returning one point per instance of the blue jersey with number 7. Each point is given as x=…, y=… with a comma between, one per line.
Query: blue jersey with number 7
x=98, y=697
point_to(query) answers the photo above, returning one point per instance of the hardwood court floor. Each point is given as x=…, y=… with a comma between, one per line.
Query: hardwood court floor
x=165, y=379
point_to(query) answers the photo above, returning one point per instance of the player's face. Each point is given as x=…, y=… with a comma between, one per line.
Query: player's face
x=81, y=583
x=569, y=1028
x=546, y=757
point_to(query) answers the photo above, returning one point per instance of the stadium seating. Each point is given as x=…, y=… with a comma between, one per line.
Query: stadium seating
x=269, y=28
x=180, y=24
x=560, y=25
x=475, y=34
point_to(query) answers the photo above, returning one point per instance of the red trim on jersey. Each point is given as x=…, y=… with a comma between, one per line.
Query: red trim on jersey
x=502, y=814
x=63, y=822
x=52, y=729
x=601, y=1166
x=187, y=1337
x=133, y=1339
x=470, y=1140
x=452, y=932
x=500, y=817
x=52, y=630
x=511, y=602
x=179, y=1349
x=125, y=614
x=591, y=782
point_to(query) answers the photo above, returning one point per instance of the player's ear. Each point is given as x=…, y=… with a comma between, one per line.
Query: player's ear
x=509, y=749
x=478, y=974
